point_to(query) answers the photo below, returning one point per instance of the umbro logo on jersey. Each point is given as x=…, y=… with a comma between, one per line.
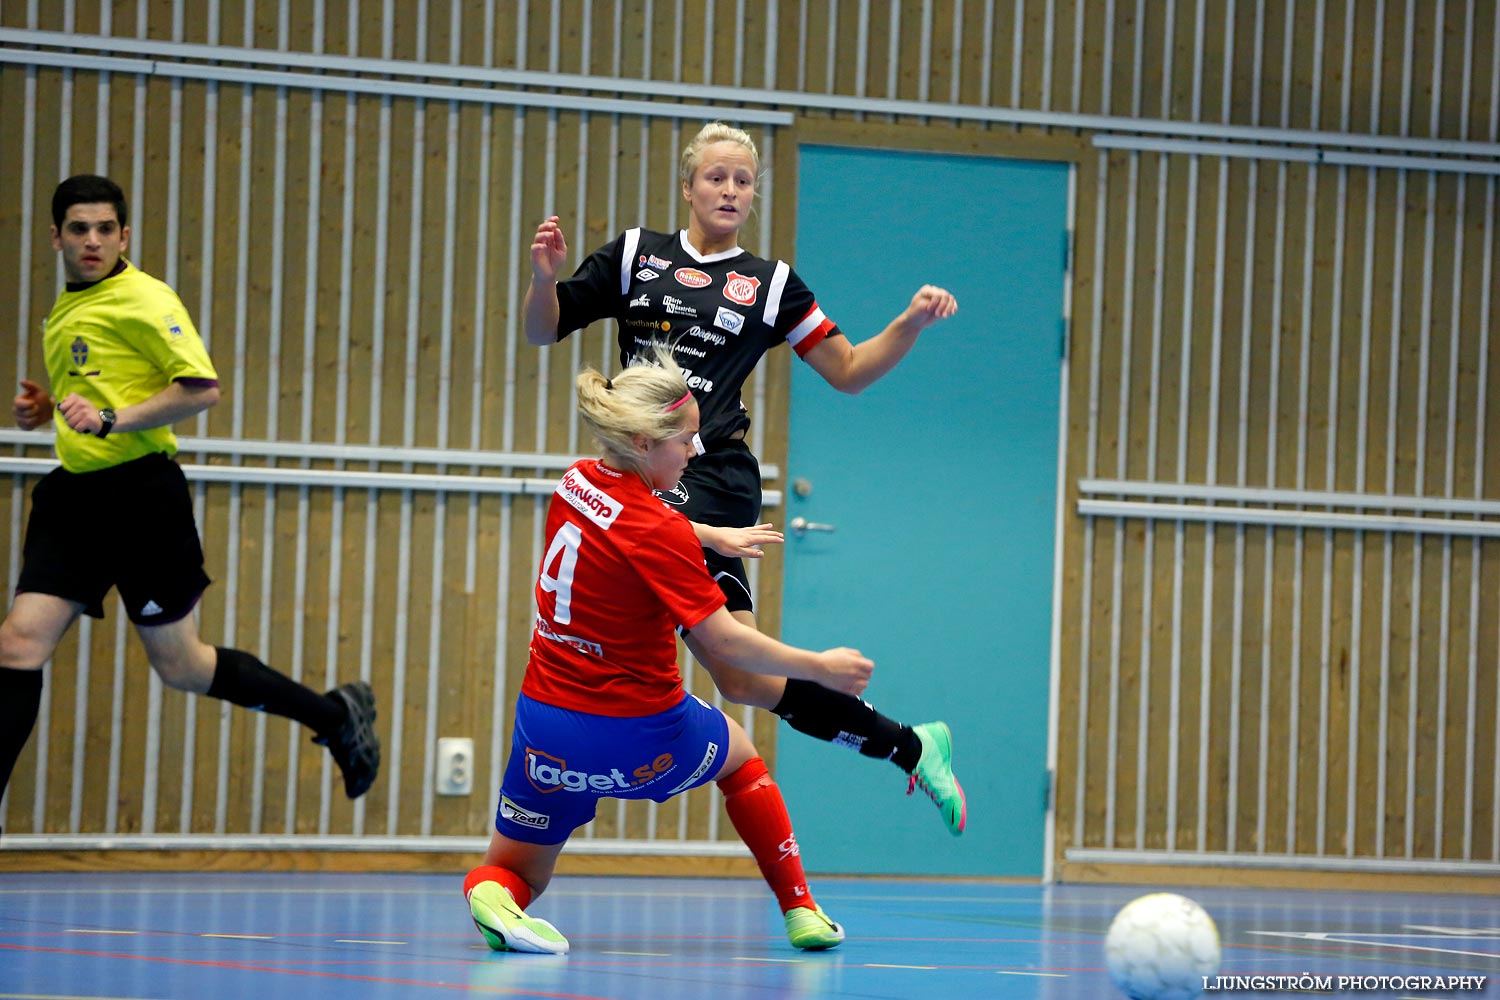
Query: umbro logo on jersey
x=728, y=319
x=647, y=275
x=740, y=288
x=692, y=277
x=151, y=608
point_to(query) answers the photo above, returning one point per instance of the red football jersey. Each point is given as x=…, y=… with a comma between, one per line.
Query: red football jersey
x=621, y=571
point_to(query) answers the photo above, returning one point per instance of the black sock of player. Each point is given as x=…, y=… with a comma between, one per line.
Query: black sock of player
x=848, y=721
x=243, y=680
x=20, y=697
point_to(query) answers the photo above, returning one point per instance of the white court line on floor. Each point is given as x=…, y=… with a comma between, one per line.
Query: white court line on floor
x=1370, y=943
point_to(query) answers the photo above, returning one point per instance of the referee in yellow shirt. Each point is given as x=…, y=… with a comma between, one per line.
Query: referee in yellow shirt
x=125, y=362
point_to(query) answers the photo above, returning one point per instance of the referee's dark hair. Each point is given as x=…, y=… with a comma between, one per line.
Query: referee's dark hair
x=87, y=189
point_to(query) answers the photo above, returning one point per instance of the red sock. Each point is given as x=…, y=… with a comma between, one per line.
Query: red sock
x=493, y=873
x=759, y=815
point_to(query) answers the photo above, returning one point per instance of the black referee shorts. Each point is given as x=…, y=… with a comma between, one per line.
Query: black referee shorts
x=722, y=488
x=129, y=526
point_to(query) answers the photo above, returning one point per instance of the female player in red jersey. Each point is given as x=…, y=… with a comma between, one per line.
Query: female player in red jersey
x=722, y=308
x=602, y=712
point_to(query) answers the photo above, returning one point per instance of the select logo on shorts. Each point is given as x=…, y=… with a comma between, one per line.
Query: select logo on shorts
x=741, y=288
x=525, y=817
x=728, y=319
x=549, y=774
x=692, y=277
x=588, y=499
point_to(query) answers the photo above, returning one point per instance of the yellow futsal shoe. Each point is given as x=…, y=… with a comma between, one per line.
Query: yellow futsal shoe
x=812, y=929
x=934, y=775
x=506, y=927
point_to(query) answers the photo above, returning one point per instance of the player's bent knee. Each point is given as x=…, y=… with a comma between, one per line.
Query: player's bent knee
x=21, y=649
x=744, y=688
x=182, y=673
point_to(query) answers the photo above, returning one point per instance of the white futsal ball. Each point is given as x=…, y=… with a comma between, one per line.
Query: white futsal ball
x=1159, y=947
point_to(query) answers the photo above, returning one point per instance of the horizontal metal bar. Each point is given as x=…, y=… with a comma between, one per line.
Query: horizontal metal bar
x=1199, y=147
x=353, y=479
x=313, y=842
x=246, y=448
x=1304, y=498
x=1304, y=862
x=1289, y=518
x=370, y=85
x=71, y=60
x=473, y=95
x=1339, y=158
x=735, y=96
x=1328, y=157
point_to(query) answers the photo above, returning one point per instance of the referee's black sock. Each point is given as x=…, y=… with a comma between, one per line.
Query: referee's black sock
x=245, y=681
x=20, y=696
x=848, y=721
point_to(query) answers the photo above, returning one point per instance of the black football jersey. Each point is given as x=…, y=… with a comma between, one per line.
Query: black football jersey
x=719, y=313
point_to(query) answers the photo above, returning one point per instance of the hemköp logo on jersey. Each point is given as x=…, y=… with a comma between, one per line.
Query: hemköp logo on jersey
x=588, y=499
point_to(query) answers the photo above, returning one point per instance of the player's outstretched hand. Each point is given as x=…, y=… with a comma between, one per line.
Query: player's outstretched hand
x=929, y=305
x=846, y=670
x=548, y=250
x=743, y=543
x=32, y=406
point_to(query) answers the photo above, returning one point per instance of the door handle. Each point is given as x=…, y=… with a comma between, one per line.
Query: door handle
x=801, y=526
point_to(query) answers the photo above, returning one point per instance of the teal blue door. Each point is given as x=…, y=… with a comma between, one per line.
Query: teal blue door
x=940, y=484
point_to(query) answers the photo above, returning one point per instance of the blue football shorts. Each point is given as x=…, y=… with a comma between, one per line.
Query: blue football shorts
x=563, y=762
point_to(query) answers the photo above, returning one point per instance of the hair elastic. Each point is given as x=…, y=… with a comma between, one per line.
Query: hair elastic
x=685, y=397
x=609, y=384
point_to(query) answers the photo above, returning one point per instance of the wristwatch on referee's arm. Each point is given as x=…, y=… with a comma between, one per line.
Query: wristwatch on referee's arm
x=106, y=421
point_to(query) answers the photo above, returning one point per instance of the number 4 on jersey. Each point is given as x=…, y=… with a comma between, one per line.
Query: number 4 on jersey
x=563, y=551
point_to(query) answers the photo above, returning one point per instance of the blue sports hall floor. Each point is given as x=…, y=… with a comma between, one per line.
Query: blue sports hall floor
x=214, y=936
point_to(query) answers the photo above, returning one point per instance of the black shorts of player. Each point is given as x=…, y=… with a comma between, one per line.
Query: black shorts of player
x=722, y=488
x=129, y=526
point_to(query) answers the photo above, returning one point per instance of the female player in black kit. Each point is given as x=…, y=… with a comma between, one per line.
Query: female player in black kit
x=721, y=308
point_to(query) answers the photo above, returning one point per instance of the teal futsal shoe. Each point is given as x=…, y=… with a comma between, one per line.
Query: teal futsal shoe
x=934, y=775
x=506, y=927
x=812, y=929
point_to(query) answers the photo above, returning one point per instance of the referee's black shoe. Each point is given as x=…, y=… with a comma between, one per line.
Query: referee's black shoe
x=355, y=747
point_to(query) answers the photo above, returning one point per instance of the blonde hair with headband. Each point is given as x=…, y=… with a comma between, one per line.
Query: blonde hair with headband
x=645, y=399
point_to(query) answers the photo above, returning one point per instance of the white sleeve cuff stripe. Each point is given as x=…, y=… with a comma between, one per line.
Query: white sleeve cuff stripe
x=773, y=292
x=627, y=258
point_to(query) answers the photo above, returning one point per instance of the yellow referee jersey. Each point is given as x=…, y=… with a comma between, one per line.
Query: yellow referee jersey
x=118, y=342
